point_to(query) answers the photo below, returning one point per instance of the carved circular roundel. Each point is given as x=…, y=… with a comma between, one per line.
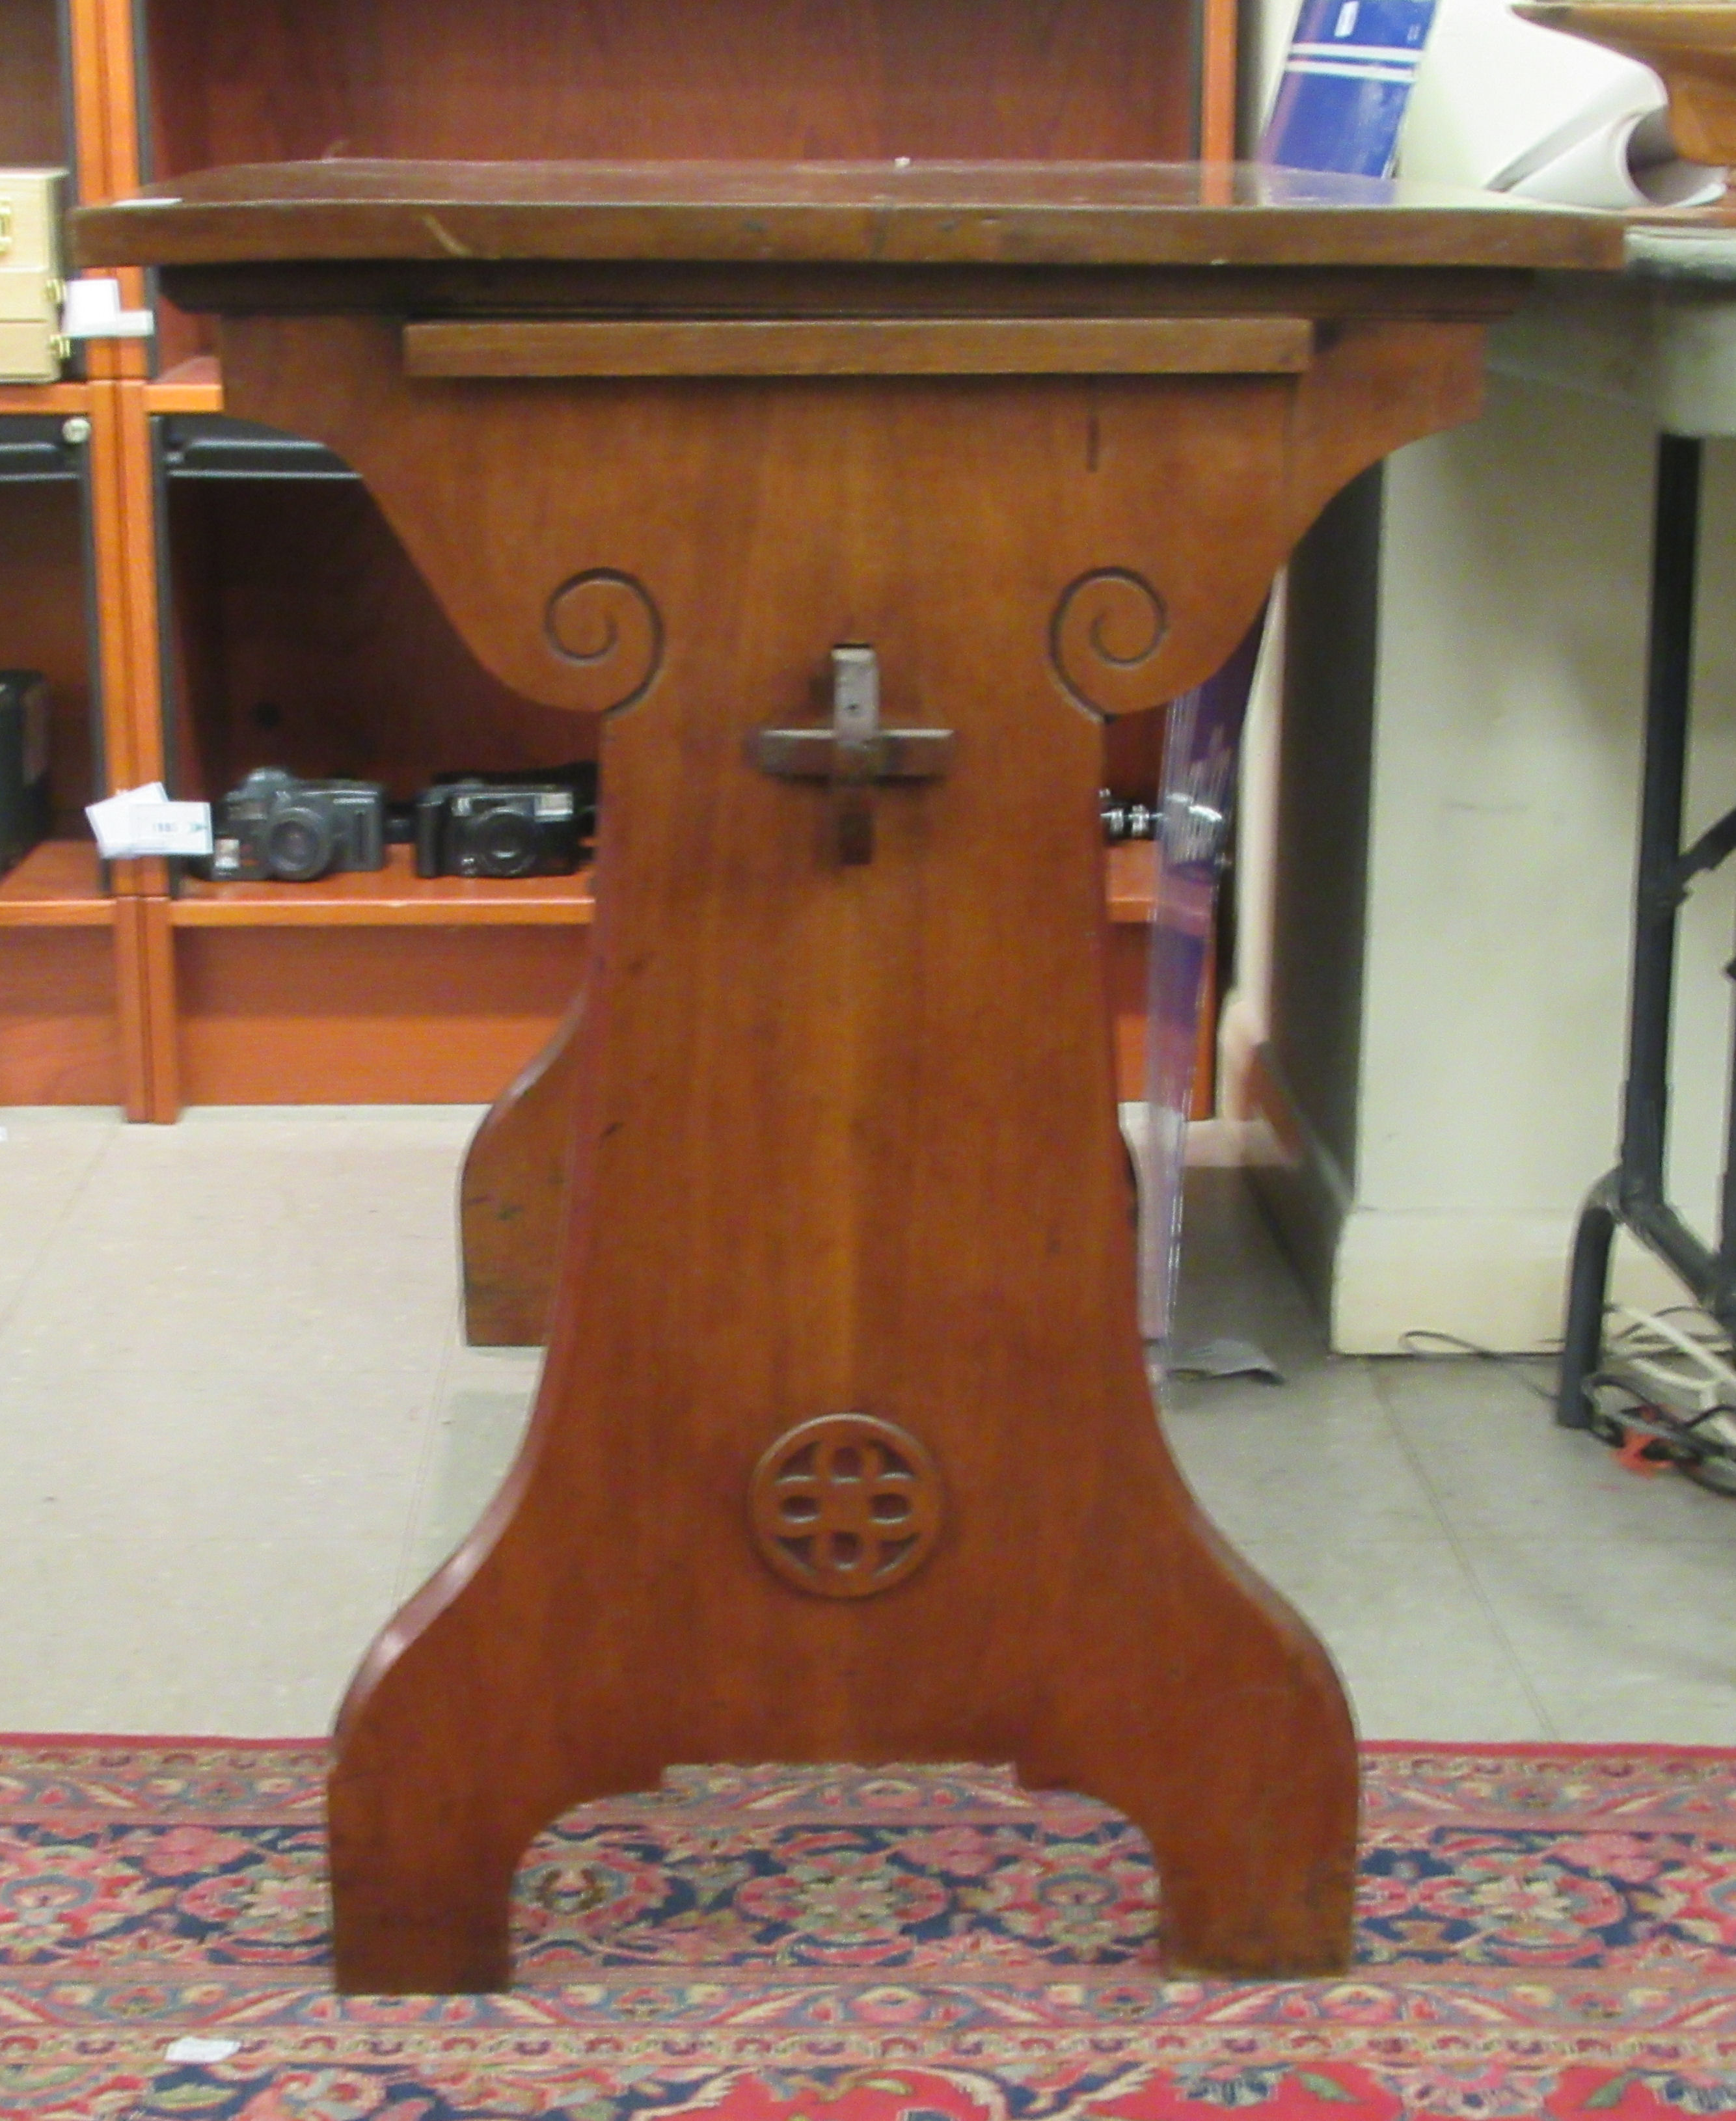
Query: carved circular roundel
x=845, y=1505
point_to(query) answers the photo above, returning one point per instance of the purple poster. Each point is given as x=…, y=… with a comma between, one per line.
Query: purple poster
x=1342, y=95
x=1201, y=743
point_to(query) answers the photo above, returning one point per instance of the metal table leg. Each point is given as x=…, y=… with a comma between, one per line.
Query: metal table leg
x=1632, y=1193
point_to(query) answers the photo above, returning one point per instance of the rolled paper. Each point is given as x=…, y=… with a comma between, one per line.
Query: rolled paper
x=1616, y=160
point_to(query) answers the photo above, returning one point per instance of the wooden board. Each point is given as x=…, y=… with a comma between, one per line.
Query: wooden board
x=392, y=897
x=1032, y=214
x=828, y=1117
x=44, y=612
x=32, y=128
x=59, y=1041
x=306, y=638
x=866, y=346
x=780, y=81
x=56, y=885
x=358, y=1016
x=846, y=1223
x=515, y=1175
x=259, y=81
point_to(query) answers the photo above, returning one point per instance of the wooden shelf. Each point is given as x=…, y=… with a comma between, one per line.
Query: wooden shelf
x=191, y=386
x=56, y=885
x=396, y=898
x=236, y=621
x=391, y=898
x=1132, y=867
x=67, y=399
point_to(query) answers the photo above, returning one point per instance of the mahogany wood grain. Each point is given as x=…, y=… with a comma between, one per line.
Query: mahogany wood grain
x=282, y=80
x=1023, y=215
x=195, y=387
x=45, y=398
x=132, y=1009
x=162, y=1028
x=59, y=1036
x=94, y=117
x=56, y=885
x=864, y=346
x=1217, y=116
x=1260, y=454
x=306, y=638
x=131, y=359
x=45, y=598
x=612, y=286
x=144, y=972
x=845, y=1135
x=32, y=133
x=366, y=1015
x=279, y=80
x=515, y=1170
x=511, y=1192
x=123, y=510
x=851, y=1134
x=145, y=755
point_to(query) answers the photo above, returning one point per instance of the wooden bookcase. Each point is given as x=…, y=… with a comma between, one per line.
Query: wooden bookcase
x=196, y=622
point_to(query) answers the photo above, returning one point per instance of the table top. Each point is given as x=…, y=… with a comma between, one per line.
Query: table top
x=1660, y=337
x=1695, y=253
x=1008, y=214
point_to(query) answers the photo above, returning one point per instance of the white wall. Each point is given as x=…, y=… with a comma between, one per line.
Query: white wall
x=1501, y=821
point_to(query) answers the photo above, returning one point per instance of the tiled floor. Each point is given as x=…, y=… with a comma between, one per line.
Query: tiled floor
x=237, y=1425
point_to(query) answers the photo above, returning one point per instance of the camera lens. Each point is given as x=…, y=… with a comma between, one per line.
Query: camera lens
x=505, y=843
x=298, y=843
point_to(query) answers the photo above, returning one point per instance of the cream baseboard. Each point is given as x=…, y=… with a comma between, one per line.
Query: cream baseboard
x=1375, y=1275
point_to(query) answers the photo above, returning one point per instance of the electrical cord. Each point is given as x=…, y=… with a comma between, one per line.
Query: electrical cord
x=1413, y=1344
x=1673, y=1394
x=1674, y=1385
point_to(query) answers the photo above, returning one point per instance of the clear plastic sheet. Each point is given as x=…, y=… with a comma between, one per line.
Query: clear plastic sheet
x=1200, y=747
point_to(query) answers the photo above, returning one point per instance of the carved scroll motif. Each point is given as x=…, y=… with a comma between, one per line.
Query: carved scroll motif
x=606, y=625
x=1103, y=640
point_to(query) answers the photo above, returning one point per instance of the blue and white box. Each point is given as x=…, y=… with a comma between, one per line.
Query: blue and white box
x=1345, y=85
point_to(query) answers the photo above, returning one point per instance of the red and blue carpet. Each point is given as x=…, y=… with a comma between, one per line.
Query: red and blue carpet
x=1548, y=1933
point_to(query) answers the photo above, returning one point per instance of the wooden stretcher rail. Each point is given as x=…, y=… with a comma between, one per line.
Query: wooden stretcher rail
x=862, y=346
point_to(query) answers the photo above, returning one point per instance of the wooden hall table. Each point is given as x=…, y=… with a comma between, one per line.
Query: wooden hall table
x=854, y=498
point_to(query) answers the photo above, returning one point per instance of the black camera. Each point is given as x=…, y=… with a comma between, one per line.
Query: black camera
x=24, y=765
x=274, y=826
x=506, y=824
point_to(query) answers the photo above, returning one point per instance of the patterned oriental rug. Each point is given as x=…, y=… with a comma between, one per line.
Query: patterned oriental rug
x=1547, y=1932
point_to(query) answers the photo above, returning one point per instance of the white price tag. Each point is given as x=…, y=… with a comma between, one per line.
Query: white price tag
x=172, y=828
x=143, y=821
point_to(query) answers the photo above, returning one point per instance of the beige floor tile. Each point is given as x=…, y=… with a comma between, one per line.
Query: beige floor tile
x=247, y=1636
x=46, y=1162
x=1491, y=1454
x=1633, y=1710
x=201, y=1458
x=484, y=1403
x=1235, y=1282
x=1617, y=1629
x=1419, y=1650
x=1316, y=1454
x=231, y=1359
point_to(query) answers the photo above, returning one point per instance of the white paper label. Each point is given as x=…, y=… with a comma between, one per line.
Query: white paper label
x=143, y=821
x=193, y=2048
